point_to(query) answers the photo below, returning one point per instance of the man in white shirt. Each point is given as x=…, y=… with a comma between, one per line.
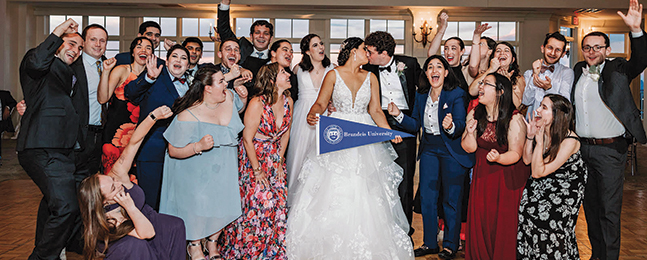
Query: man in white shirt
x=605, y=118
x=547, y=76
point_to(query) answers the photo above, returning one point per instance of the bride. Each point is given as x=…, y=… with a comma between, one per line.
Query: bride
x=346, y=205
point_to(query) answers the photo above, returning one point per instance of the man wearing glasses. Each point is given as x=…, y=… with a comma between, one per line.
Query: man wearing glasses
x=605, y=119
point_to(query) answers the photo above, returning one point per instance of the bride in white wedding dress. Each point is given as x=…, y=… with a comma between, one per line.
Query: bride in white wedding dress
x=346, y=205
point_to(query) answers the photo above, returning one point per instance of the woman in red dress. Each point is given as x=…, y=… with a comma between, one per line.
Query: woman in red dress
x=496, y=132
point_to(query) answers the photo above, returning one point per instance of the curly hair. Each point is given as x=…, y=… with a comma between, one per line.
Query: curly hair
x=134, y=44
x=382, y=41
x=514, y=66
x=265, y=84
x=306, y=61
x=347, y=46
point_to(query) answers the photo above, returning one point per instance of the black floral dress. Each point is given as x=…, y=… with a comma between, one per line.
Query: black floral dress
x=548, y=212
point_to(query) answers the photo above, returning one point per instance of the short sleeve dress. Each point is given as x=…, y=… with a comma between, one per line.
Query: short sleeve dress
x=203, y=189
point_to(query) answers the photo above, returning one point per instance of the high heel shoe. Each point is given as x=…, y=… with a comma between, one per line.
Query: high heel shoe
x=190, y=245
x=206, y=248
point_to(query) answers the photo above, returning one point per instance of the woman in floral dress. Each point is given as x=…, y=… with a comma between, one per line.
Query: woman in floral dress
x=260, y=232
x=122, y=115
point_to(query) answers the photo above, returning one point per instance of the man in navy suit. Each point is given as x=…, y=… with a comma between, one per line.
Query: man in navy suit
x=398, y=76
x=157, y=86
x=606, y=117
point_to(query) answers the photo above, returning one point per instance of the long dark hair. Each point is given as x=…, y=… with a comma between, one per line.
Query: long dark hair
x=265, y=84
x=563, y=122
x=347, y=46
x=505, y=108
x=514, y=65
x=450, y=82
x=134, y=43
x=306, y=61
x=195, y=94
x=97, y=227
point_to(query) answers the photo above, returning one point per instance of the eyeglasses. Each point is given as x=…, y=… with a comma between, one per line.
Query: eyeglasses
x=485, y=83
x=595, y=48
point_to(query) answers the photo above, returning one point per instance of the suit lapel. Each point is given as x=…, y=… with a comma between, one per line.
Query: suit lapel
x=168, y=82
x=81, y=86
x=403, y=80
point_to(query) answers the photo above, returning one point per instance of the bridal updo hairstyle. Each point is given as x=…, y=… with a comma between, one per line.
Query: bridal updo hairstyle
x=347, y=46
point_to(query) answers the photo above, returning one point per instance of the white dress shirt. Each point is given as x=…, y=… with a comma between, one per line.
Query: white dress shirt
x=392, y=87
x=430, y=119
x=181, y=88
x=561, y=80
x=93, y=77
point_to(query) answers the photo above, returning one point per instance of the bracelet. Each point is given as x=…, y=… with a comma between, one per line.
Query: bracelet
x=152, y=116
x=196, y=152
x=255, y=170
x=531, y=139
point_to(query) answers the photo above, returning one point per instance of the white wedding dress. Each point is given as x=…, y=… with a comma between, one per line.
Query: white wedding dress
x=346, y=205
x=302, y=135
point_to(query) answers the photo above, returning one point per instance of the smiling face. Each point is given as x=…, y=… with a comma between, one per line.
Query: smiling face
x=487, y=91
x=261, y=37
x=553, y=51
x=593, y=57
x=95, y=42
x=452, y=52
x=544, y=114
x=152, y=34
x=177, y=63
x=504, y=54
x=109, y=188
x=71, y=48
x=218, y=87
x=283, y=55
x=317, y=50
x=436, y=73
x=283, y=79
x=377, y=58
x=195, y=53
x=229, y=53
x=141, y=51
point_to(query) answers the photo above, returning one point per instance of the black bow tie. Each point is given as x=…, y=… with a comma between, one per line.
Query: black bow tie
x=190, y=72
x=387, y=68
x=181, y=80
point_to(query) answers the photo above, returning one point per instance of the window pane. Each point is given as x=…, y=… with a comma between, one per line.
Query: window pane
x=568, y=32
x=109, y=54
x=356, y=28
x=154, y=19
x=396, y=28
x=205, y=25
x=96, y=19
x=300, y=28
x=209, y=46
x=112, y=45
x=266, y=19
x=338, y=28
x=112, y=25
x=466, y=30
x=378, y=25
x=452, y=30
x=399, y=49
x=207, y=57
x=55, y=20
x=190, y=27
x=169, y=26
x=333, y=58
x=78, y=19
x=296, y=49
x=492, y=32
x=617, y=43
x=242, y=26
x=282, y=28
x=334, y=48
x=468, y=50
x=507, y=31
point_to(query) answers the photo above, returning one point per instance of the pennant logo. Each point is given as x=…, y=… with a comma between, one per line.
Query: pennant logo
x=335, y=134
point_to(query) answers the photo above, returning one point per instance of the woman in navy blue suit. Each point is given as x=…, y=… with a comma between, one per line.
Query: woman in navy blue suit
x=440, y=109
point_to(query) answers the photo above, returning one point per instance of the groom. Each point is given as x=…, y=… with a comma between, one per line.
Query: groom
x=398, y=77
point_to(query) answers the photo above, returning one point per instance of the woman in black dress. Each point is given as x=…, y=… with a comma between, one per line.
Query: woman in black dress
x=551, y=200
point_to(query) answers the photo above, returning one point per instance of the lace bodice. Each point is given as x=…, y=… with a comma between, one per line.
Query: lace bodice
x=342, y=97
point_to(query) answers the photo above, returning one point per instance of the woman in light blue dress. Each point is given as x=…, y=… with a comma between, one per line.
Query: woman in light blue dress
x=200, y=181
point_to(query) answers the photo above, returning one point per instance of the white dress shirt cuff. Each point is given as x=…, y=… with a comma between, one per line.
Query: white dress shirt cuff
x=223, y=7
x=399, y=118
x=636, y=35
x=451, y=129
x=149, y=80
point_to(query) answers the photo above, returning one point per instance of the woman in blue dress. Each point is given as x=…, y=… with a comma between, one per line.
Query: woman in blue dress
x=200, y=181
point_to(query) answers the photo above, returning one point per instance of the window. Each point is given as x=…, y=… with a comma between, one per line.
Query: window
x=169, y=29
x=345, y=28
x=617, y=43
x=196, y=27
x=55, y=20
x=111, y=23
x=291, y=28
x=296, y=55
x=502, y=31
x=208, y=53
x=463, y=30
x=243, y=25
x=112, y=49
x=334, y=52
x=566, y=31
x=394, y=27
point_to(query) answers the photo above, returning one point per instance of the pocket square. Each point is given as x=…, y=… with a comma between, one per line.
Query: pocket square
x=445, y=106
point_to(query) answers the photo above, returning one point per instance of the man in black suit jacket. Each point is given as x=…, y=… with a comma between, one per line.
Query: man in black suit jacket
x=261, y=33
x=605, y=119
x=194, y=45
x=49, y=133
x=7, y=102
x=398, y=77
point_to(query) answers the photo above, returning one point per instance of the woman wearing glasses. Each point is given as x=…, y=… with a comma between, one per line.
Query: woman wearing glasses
x=495, y=132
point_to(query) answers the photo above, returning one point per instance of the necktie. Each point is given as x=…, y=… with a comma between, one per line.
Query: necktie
x=190, y=72
x=99, y=67
x=260, y=54
x=595, y=69
x=387, y=68
x=544, y=68
x=181, y=80
x=73, y=83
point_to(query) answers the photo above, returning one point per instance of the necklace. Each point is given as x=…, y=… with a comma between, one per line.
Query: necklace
x=212, y=108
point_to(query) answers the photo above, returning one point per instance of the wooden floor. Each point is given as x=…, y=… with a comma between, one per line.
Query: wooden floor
x=19, y=201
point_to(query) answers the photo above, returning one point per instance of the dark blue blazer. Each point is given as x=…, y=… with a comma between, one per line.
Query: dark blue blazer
x=450, y=102
x=149, y=97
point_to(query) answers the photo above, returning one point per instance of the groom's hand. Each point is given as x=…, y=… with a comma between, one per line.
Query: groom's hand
x=393, y=109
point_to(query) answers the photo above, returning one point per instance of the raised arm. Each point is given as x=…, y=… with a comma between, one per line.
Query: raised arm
x=475, y=55
x=37, y=61
x=136, y=89
x=638, y=60
x=143, y=227
x=474, y=87
x=438, y=38
x=540, y=168
x=468, y=141
x=324, y=96
x=224, y=27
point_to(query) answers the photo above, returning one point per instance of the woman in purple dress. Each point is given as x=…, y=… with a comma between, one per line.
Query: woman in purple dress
x=118, y=225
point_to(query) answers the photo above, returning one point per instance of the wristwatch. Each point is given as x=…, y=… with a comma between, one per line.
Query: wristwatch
x=152, y=116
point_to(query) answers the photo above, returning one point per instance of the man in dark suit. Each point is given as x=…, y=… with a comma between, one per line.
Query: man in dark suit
x=7, y=103
x=398, y=76
x=261, y=33
x=194, y=45
x=605, y=119
x=49, y=133
x=150, y=30
x=157, y=86
x=235, y=75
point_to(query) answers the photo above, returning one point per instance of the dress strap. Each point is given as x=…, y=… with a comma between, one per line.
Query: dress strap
x=196, y=118
x=574, y=137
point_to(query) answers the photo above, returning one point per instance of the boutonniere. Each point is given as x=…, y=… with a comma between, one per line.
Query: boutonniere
x=400, y=68
x=445, y=106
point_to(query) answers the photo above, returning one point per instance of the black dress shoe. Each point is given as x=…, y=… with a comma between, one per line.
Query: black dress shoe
x=445, y=254
x=425, y=250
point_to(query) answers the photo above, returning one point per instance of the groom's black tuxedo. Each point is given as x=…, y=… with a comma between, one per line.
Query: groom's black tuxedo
x=407, y=148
